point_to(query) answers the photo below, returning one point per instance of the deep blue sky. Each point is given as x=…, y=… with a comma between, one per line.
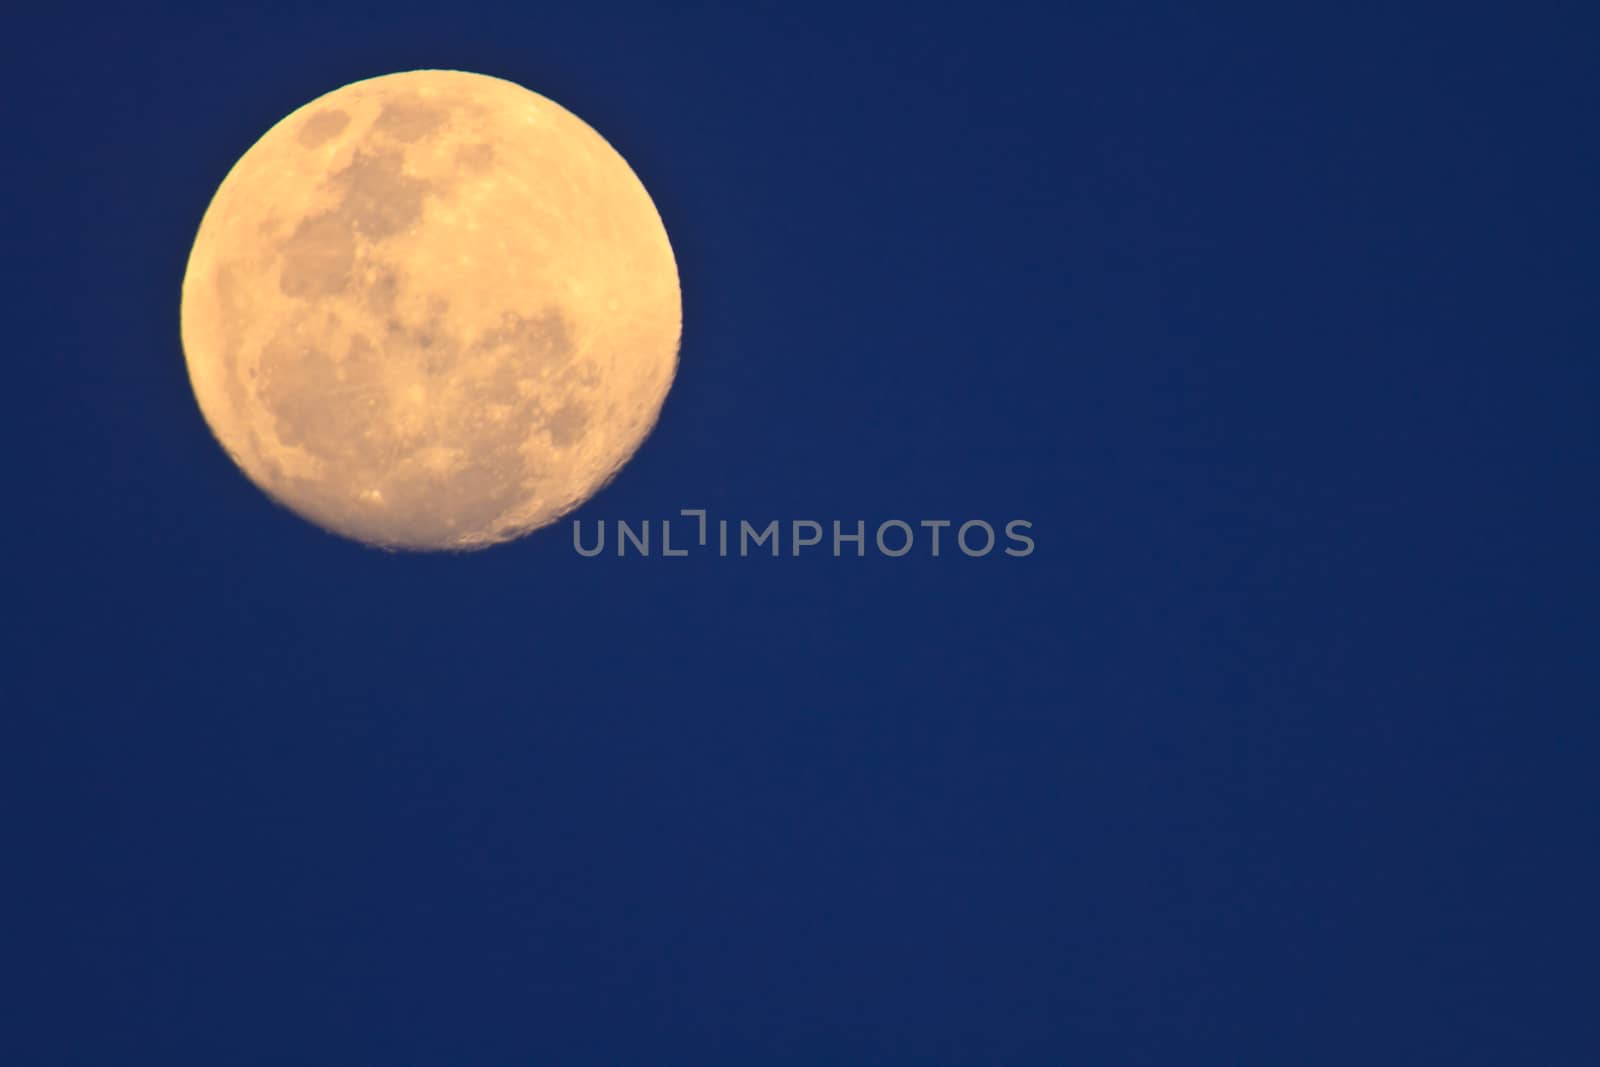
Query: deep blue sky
x=1280, y=749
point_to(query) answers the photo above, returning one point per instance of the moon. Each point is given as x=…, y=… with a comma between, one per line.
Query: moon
x=431, y=310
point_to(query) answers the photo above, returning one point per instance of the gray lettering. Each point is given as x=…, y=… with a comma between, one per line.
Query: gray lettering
x=961, y=537
x=795, y=535
x=910, y=536
x=1023, y=538
x=625, y=534
x=577, y=538
x=770, y=532
x=859, y=537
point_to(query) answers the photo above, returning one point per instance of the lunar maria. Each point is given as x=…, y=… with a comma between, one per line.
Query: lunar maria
x=695, y=533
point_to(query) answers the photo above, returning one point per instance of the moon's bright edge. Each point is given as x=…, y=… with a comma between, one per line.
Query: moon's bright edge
x=431, y=310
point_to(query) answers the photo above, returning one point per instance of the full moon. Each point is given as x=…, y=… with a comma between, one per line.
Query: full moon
x=431, y=310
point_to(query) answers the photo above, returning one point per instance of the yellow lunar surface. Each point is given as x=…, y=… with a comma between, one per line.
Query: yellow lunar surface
x=431, y=310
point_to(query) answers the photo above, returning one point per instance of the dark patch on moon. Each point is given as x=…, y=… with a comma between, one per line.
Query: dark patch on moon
x=382, y=292
x=409, y=118
x=361, y=357
x=379, y=199
x=310, y=406
x=476, y=158
x=533, y=341
x=568, y=425
x=317, y=257
x=317, y=129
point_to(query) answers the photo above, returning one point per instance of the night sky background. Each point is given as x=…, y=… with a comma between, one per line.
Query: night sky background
x=1279, y=326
